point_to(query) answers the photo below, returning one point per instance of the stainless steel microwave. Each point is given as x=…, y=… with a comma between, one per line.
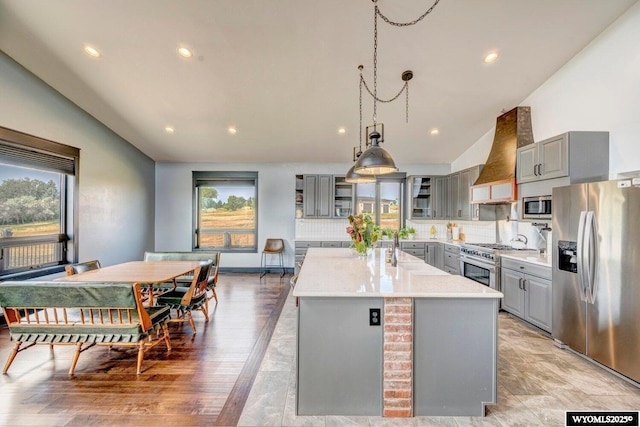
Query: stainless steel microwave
x=538, y=207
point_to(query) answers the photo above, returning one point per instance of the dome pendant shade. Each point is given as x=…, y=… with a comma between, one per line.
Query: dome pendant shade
x=355, y=178
x=375, y=160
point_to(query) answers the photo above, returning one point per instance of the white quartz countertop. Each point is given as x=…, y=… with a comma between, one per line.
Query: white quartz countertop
x=339, y=272
x=529, y=256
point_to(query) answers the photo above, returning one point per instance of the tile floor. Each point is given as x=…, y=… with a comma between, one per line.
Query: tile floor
x=537, y=383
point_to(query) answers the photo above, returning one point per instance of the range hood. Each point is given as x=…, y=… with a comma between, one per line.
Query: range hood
x=497, y=181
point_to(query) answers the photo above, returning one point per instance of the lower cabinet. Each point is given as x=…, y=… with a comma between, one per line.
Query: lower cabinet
x=527, y=292
x=451, y=259
x=434, y=254
x=417, y=249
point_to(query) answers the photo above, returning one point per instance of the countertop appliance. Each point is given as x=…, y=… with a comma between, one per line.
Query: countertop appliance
x=596, y=274
x=537, y=207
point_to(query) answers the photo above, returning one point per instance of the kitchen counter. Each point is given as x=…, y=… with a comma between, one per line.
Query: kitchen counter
x=339, y=272
x=528, y=256
x=367, y=330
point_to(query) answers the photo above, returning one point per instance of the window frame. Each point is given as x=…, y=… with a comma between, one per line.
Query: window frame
x=24, y=150
x=396, y=178
x=200, y=177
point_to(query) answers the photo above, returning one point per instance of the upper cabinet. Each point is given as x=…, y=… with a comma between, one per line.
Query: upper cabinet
x=342, y=197
x=421, y=197
x=442, y=199
x=460, y=202
x=582, y=156
x=318, y=196
x=323, y=196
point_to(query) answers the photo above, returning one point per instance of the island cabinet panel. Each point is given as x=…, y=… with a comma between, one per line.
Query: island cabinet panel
x=339, y=357
x=455, y=356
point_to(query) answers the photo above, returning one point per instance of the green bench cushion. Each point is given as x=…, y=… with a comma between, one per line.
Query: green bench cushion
x=86, y=296
x=173, y=298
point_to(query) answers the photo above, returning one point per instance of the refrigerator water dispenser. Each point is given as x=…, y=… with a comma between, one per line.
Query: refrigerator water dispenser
x=567, y=259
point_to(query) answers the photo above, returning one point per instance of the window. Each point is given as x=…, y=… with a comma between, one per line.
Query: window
x=383, y=200
x=225, y=211
x=37, y=179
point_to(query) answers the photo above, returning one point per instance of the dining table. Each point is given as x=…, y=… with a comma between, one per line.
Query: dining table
x=144, y=272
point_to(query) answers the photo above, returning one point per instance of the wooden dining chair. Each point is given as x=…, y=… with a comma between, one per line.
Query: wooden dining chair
x=81, y=267
x=184, y=300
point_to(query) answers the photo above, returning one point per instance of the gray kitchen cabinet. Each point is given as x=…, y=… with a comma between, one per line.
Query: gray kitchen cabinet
x=454, y=196
x=513, y=300
x=460, y=183
x=430, y=250
x=441, y=203
x=434, y=254
x=342, y=198
x=527, y=290
x=451, y=259
x=318, y=196
x=417, y=249
x=582, y=156
x=421, y=197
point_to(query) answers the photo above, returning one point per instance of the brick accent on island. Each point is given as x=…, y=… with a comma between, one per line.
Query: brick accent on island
x=398, y=357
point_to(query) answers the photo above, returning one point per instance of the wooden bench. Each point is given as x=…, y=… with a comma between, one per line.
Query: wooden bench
x=81, y=314
x=214, y=256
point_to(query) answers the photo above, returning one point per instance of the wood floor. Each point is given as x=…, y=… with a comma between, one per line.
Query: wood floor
x=203, y=381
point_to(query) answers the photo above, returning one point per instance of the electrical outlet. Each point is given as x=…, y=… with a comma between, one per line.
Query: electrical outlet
x=374, y=317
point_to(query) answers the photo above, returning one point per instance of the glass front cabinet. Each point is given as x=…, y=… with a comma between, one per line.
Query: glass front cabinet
x=421, y=197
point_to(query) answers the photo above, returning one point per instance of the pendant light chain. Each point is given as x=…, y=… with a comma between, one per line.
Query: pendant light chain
x=406, y=24
x=376, y=160
x=360, y=134
x=406, y=111
x=375, y=61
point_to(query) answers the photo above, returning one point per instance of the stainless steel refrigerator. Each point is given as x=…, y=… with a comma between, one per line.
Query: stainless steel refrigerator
x=596, y=272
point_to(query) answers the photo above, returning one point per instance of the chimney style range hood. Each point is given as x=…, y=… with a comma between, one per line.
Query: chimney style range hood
x=497, y=181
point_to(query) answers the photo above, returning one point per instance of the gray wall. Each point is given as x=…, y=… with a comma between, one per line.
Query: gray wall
x=116, y=197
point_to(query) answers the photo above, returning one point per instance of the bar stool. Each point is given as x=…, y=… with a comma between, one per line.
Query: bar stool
x=272, y=247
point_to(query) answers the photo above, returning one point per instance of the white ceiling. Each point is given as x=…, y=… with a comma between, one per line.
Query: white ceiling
x=284, y=72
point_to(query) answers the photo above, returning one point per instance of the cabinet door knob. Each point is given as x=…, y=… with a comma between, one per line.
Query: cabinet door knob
x=524, y=285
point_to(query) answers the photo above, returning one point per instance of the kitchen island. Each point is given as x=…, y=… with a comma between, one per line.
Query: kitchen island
x=401, y=341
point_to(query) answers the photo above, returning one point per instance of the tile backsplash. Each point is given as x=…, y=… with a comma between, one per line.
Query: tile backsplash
x=471, y=231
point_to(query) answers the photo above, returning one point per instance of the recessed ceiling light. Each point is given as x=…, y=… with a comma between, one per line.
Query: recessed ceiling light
x=91, y=51
x=491, y=57
x=342, y=131
x=232, y=130
x=434, y=132
x=185, y=52
x=169, y=129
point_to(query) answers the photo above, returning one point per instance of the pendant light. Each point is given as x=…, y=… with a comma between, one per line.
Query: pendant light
x=376, y=160
x=351, y=176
